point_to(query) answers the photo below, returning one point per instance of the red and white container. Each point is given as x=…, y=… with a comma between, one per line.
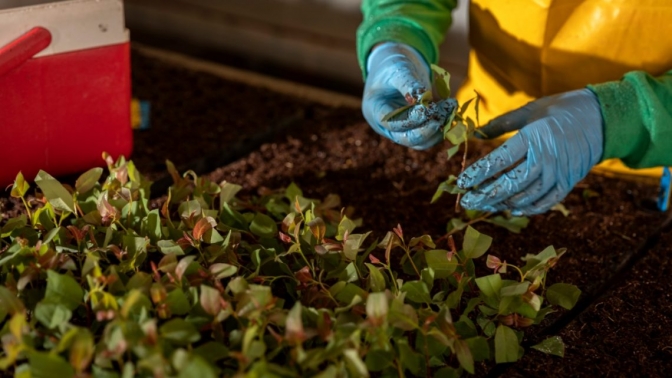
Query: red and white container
x=65, y=88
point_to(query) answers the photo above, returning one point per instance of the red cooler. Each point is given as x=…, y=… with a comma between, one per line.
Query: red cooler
x=65, y=88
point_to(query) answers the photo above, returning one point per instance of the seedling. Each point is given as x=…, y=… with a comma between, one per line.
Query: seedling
x=457, y=130
x=97, y=282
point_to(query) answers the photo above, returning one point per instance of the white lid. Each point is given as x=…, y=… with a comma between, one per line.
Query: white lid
x=74, y=25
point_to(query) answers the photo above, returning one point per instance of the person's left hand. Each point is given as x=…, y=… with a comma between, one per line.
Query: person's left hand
x=560, y=139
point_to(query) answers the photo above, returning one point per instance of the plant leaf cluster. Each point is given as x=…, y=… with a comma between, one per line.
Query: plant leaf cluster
x=458, y=129
x=98, y=281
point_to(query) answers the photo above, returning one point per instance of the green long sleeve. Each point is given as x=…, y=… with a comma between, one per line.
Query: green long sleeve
x=421, y=24
x=637, y=112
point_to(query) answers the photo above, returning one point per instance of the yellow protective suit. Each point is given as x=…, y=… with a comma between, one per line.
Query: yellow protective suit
x=513, y=62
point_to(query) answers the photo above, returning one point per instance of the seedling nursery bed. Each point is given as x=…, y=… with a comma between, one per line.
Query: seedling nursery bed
x=618, y=249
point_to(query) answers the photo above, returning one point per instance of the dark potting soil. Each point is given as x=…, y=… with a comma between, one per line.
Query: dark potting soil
x=331, y=150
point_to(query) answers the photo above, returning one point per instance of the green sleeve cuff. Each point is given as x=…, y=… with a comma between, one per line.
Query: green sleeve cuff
x=393, y=30
x=637, y=119
x=618, y=102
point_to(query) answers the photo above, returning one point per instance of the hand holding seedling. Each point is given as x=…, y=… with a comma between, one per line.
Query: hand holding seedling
x=560, y=139
x=397, y=97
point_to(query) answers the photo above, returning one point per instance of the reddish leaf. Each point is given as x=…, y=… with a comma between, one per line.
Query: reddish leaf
x=210, y=300
x=204, y=225
x=303, y=275
x=284, y=237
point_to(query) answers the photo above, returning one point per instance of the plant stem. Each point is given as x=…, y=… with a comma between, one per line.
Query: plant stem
x=319, y=281
x=464, y=164
x=408, y=253
x=454, y=231
x=399, y=370
x=25, y=204
x=522, y=276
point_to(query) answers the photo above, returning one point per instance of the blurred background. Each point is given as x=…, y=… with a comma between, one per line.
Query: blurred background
x=307, y=41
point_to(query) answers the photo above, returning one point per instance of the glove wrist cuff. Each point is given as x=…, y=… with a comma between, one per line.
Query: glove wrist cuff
x=386, y=50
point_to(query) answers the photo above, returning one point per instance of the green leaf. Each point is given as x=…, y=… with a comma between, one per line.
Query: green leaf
x=190, y=209
x=378, y=359
x=477, y=108
x=515, y=289
x=395, y=113
x=345, y=226
x=292, y=192
x=48, y=365
x=452, y=151
x=490, y=286
x=353, y=245
x=64, y=290
x=464, y=356
x=81, y=349
x=197, y=368
x=376, y=278
x=449, y=187
x=410, y=359
x=479, y=347
x=13, y=224
x=563, y=295
x=88, y=180
x=513, y=224
x=177, y=302
x=52, y=315
x=179, y=332
x=561, y=208
x=264, y=226
x=465, y=105
x=416, y=291
x=228, y=192
x=212, y=351
x=222, y=270
x=457, y=134
x=56, y=194
x=456, y=224
x=354, y=363
x=20, y=186
x=425, y=99
x=553, y=345
x=377, y=306
x=447, y=372
x=168, y=246
x=349, y=292
x=539, y=260
x=9, y=303
x=506, y=345
x=475, y=244
x=437, y=259
x=151, y=226
x=427, y=276
x=441, y=81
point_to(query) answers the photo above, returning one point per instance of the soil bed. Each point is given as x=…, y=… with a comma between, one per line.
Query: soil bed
x=331, y=150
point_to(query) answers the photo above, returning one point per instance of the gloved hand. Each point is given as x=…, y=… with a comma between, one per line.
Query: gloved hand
x=559, y=141
x=397, y=74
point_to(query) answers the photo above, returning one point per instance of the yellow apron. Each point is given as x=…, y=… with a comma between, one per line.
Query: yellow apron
x=526, y=49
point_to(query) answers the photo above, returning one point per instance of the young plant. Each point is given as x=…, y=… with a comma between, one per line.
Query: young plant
x=105, y=282
x=458, y=129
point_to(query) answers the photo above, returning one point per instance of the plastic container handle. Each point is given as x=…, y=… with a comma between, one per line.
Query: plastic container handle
x=23, y=48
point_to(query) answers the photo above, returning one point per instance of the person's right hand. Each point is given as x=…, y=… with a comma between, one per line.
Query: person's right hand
x=397, y=73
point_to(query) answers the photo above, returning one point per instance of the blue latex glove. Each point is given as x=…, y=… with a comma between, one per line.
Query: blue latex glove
x=559, y=141
x=397, y=72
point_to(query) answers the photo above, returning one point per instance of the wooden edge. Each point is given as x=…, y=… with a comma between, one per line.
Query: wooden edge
x=290, y=88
